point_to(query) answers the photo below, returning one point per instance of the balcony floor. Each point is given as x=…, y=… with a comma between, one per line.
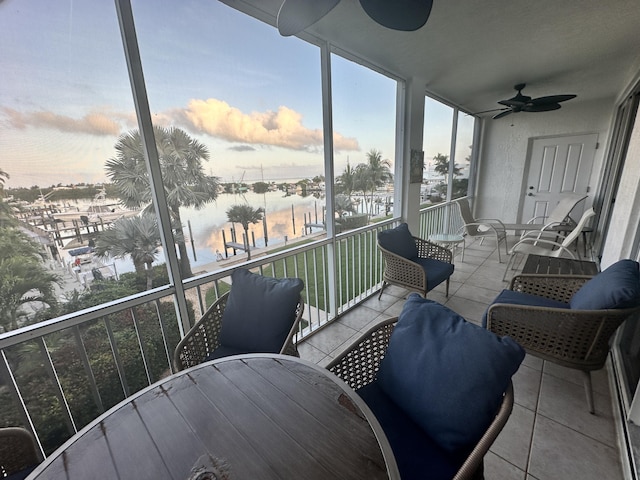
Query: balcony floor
x=550, y=433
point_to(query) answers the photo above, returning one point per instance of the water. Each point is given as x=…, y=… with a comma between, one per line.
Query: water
x=281, y=211
x=285, y=219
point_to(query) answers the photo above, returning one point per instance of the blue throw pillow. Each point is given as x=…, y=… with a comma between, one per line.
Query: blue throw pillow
x=447, y=374
x=260, y=312
x=399, y=241
x=618, y=286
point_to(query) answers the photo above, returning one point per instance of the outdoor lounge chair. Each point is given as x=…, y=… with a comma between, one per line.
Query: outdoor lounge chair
x=482, y=227
x=567, y=319
x=534, y=243
x=559, y=216
x=259, y=315
x=18, y=452
x=440, y=422
x=412, y=262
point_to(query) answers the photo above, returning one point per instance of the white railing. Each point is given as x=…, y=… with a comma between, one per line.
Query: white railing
x=60, y=374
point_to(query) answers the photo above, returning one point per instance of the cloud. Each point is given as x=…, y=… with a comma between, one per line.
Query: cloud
x=243, y=148
x=93, y=123
x=282, y=128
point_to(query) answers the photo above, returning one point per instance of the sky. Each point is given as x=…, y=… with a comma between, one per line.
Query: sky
x=231, y=82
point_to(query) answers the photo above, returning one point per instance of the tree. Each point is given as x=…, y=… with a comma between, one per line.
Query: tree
x=135, y=237
x=260, y=187
x=343, y=204
x=442, y=166
x=184, y=181
x=4, y=176
x=345, y=183
x=374, y=174
x=244, y=215
x=24, y=281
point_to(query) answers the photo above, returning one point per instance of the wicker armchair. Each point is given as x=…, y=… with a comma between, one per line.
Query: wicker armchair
x=410, y=274
x=576, y=339
x=359, y=365
x=204, y=336
x=18, y=451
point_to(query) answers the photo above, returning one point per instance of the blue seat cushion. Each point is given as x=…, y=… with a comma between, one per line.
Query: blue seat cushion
x=223, y=351
x=417, y=455
x=618, y=286
x=260, y=312
x=399, y=240
x=512, y=297
x=447, y=374
x=437, y=271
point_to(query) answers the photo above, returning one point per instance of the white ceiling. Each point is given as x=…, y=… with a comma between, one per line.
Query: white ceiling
x=472, y=52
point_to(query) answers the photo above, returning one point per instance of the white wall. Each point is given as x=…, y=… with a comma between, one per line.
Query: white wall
x=505, y=150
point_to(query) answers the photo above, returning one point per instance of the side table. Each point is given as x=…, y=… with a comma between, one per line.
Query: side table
x=448, y=240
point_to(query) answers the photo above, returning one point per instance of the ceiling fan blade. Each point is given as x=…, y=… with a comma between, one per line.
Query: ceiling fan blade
x=503, y=114
x=514, y=102
x=404, y=15
x=552, y=99
x=296, y=15
x=545, y=107
x=492, y=110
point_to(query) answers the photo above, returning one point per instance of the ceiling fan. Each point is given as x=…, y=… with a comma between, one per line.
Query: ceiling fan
x=406, y=15
x=523, y=103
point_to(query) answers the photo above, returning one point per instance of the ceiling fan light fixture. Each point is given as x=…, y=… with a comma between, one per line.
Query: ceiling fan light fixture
x=296, y=15
x=404, y=15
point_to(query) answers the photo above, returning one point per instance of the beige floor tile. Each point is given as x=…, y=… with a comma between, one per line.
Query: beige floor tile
x=478, y=294
x=497, y=468
x=599, y=378
x=526, y=387
x=514, y=441
x=566, y=403
x=329, y=338
x=559, y=452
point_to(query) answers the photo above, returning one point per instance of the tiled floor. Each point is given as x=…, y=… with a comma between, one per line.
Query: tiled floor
x=550, y=434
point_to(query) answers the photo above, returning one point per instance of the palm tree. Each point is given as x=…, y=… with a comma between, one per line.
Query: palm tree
x=244, y=215
x=183, y=177
x=135, y=237
x=442, y=165
x=23, y=278
x=4, y=176
x=343, y=204
x=345, y=183
x=374, y=174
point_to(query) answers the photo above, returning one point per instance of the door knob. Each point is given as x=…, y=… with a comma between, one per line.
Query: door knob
x=530, y=194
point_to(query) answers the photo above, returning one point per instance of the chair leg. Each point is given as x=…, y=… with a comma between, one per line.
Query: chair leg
x=384, y=284
x=510, y=262
x=588, y=390
x=447, y=290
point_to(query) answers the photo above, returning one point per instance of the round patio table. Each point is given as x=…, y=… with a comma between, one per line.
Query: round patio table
x=448, y=240
x=242, y=417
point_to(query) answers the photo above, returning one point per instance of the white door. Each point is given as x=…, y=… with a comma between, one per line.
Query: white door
x=557, y=166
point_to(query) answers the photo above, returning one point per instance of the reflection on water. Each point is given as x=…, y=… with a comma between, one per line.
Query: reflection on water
x=281, y=212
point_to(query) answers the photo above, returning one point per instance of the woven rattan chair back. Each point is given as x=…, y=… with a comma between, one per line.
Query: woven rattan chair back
x=358, y=366
x=18, y=450
x=577, y=339
x=405, y=273
x=204, y=336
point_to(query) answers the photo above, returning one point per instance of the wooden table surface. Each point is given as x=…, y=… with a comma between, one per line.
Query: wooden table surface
x=244, y=417
x=558, y=266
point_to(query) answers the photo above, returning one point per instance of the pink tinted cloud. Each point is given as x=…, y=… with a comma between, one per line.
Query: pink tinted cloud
x=282, y=128
x=93, y=123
